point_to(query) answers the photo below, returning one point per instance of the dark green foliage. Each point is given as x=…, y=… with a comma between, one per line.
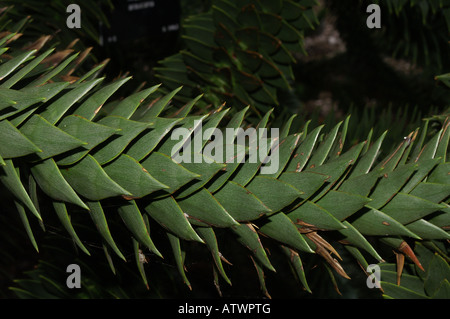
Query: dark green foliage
x=82, y=165
x=52, y=20
x=415, y=283
x=239, y=53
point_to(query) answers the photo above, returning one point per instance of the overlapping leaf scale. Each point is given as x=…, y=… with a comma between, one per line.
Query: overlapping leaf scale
x=240, y=52
x=414, y=283
x=78, y=154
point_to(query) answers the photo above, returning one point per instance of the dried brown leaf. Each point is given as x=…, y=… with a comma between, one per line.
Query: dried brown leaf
x=57, y=57
x=406, y=249
x=400, y=263
x=38, y=44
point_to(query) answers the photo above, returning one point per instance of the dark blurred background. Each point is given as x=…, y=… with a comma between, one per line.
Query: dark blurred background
x=347, y=64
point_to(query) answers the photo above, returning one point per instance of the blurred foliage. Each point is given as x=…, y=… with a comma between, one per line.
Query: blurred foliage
x=239, y=53
x=370, y=72
x=52, y=20
x=417, y=30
